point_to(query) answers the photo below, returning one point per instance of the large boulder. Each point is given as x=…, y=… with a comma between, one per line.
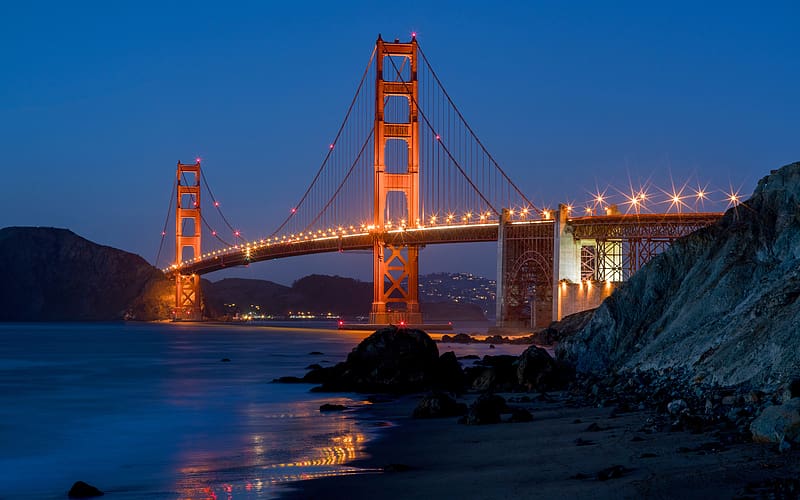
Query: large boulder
x=438, y=405
x=83, y=490
x=778, y=423
x=393, y=360
x=720, y=304
x=485, y=410
x=493, y=373
x=537, y=370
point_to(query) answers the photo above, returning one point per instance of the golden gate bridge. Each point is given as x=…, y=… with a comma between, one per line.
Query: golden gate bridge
x=406, y=170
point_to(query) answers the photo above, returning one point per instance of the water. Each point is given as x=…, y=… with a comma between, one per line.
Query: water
x=150, y=410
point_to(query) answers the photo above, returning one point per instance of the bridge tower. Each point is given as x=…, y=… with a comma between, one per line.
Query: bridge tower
x=396, y=267
x=187, y=235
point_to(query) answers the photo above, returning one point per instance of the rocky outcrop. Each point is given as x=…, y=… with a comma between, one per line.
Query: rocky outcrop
x=486, y=409
x=721, y=304
x=52, y=274
x=559, y=330
x=438, y=405
x=778, y=423
x=391, y=360
x=84, y=490
x=536, y=370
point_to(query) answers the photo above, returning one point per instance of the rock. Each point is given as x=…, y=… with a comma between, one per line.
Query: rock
x=485, y=410
x=460, y=338
x=315, y=353
x=676, y=406
x=314, y=366
x=493, y=373
x=84, y=490
x=778, y=423
x=288, y=380
x=491, y=346
x=449, y=375
x=438, y=405
x=322, y=374
x=790, y=390
x=720, y=304
x=485, y=380
x=332, y=407
x=536, y=370
x=391, y=360
x=520, y=415
x=225, y=360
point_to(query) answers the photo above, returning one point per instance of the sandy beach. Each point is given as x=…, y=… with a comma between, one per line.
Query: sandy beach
x=565, y=452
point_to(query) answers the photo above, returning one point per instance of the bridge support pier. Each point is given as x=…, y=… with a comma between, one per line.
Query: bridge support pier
x=396, y=267
x=188, y=299
x=524, y=270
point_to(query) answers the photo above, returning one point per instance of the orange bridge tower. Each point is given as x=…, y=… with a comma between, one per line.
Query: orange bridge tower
x=187, y=235
x=396, y=267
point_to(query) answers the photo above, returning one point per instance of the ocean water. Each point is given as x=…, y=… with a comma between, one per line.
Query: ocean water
x=152, y=411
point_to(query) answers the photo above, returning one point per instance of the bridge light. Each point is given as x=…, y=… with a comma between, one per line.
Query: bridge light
x=438, y=138
x=216, y=203
x=589, y=210
x=569, y=208
x=198, y=160
x=331, y=146
x=546, y=214
x=511, y=212
x=293, y=210
x=524, y=212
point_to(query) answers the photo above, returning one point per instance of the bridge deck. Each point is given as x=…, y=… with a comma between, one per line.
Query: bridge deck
x=664, y=226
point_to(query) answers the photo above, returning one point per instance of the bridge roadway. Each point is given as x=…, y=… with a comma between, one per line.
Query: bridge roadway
x=609, y=227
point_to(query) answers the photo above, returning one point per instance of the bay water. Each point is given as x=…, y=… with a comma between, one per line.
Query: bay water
x=156, y=411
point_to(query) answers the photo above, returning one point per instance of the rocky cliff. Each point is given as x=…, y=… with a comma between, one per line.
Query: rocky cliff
x=51, y=274
x=721, y=304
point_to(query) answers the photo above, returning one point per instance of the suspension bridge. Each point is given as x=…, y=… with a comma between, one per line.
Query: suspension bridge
x=405, y=170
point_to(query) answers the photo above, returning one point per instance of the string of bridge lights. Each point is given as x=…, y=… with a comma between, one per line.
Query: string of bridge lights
x=611, y=201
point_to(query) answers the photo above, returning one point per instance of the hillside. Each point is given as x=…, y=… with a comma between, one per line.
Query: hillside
x=52, y=274
x=721, y=304
x=318, y=294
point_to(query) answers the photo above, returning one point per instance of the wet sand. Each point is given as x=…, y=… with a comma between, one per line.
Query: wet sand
x=554, y=456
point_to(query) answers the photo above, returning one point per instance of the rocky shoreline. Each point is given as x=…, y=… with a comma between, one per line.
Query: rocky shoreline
x=621, y=430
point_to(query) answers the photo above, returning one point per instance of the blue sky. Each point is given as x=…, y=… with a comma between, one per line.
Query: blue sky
x=99, y=100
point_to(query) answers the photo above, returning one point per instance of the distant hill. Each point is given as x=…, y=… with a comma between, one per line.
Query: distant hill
x=51, y=274
x=316, y=293
x=320, y=294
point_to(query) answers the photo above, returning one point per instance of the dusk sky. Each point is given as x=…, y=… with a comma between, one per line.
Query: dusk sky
x=99, y=100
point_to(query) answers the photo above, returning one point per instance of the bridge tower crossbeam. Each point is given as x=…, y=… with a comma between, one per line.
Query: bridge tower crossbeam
x=395, y=267
x=188, y=302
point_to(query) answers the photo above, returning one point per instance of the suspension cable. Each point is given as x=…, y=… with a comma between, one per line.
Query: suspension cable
x=341, y=184
x=474, y=135
x=446, y=150
x=166, y=221
x=333, y=144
